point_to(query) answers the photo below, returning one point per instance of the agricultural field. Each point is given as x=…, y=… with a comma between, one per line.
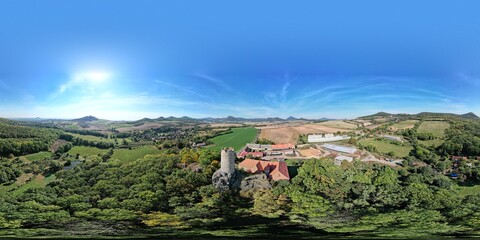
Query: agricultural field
x=385, y=147
x=126, y=155
x=404, y=125
x=437, y=128
x=86, y=151
x=290, y=134
x=237, y=139
x=93, y=138
x=338, y=124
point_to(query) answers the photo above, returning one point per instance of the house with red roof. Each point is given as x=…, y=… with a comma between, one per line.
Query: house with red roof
x=244, y=154
x=275, y=170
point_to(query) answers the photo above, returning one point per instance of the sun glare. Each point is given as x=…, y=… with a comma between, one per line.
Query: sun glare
x=95, y=76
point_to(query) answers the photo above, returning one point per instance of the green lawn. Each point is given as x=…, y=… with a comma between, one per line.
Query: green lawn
x=126, y=155
x=237, y=139
x=385, y=147
x=86, y=151
x=38, y=156
x=437, y=128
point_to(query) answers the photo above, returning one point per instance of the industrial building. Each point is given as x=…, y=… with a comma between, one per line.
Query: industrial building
x=339, y=148
x=328, y=137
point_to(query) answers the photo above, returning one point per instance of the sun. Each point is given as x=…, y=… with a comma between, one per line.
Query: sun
x=94, y=76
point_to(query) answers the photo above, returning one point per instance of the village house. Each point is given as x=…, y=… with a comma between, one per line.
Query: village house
x=245, y=153
x=274, y=170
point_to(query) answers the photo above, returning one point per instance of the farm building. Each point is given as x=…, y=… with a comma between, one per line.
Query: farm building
x=262, y=147
x=394, y=138
x=339, y=148
x=316, y=138
x=244, y=154
x=275, y=170
x=339, y=159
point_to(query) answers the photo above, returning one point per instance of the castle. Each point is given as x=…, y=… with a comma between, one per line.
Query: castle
x=227, y=163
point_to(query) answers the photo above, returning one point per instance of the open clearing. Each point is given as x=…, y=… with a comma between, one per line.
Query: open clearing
x=467, y=190
x=310, y=152
x=404, y=125
x=38, y=156
x=126, y=155
x=385, y=147
x=290, y=134
x=86, y=151
x=437, y=128
x=92, y=138
x=433, y=143
x=237, y=139
x=27, y=181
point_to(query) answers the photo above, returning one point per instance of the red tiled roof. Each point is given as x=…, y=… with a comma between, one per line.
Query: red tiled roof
x=244, y=153
x=276, y=170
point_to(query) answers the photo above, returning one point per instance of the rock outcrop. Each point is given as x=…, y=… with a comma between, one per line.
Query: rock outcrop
x=253, y=183
x=227, y=181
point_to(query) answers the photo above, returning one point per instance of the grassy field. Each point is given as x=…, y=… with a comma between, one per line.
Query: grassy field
x=437, y=128
x=38, y=156
x=467, y=190
x=404, y=124
x=126, y=155
x=237, y=139
x=385, y=147
x=433, y=143
x=93, y=138
x=38, y=181
x=86, y=151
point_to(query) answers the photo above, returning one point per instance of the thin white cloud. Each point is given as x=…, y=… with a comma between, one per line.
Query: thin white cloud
x=216, y=81
x=183, y=89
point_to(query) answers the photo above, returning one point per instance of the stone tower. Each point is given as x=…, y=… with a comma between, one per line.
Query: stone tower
x=227, y=163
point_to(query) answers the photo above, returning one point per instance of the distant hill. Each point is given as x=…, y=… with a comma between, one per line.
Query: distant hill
x=469, y=115
x=85, y=119
x=377, y=115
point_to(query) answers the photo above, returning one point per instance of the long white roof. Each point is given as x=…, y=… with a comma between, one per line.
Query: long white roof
x=340, y=148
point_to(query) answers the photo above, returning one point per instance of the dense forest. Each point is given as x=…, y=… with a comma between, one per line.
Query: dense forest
x=19, y=140
x=173, y=191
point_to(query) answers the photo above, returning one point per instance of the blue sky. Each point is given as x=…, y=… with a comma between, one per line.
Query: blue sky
x=339, y=59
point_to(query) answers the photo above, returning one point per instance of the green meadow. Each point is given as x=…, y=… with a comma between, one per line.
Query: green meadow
x=126, y=155
x=437, y=128
x=86, y=151
x=237, y=139
x=385, y=147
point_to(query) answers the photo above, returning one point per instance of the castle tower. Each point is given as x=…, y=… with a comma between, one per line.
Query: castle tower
x=227, y=163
